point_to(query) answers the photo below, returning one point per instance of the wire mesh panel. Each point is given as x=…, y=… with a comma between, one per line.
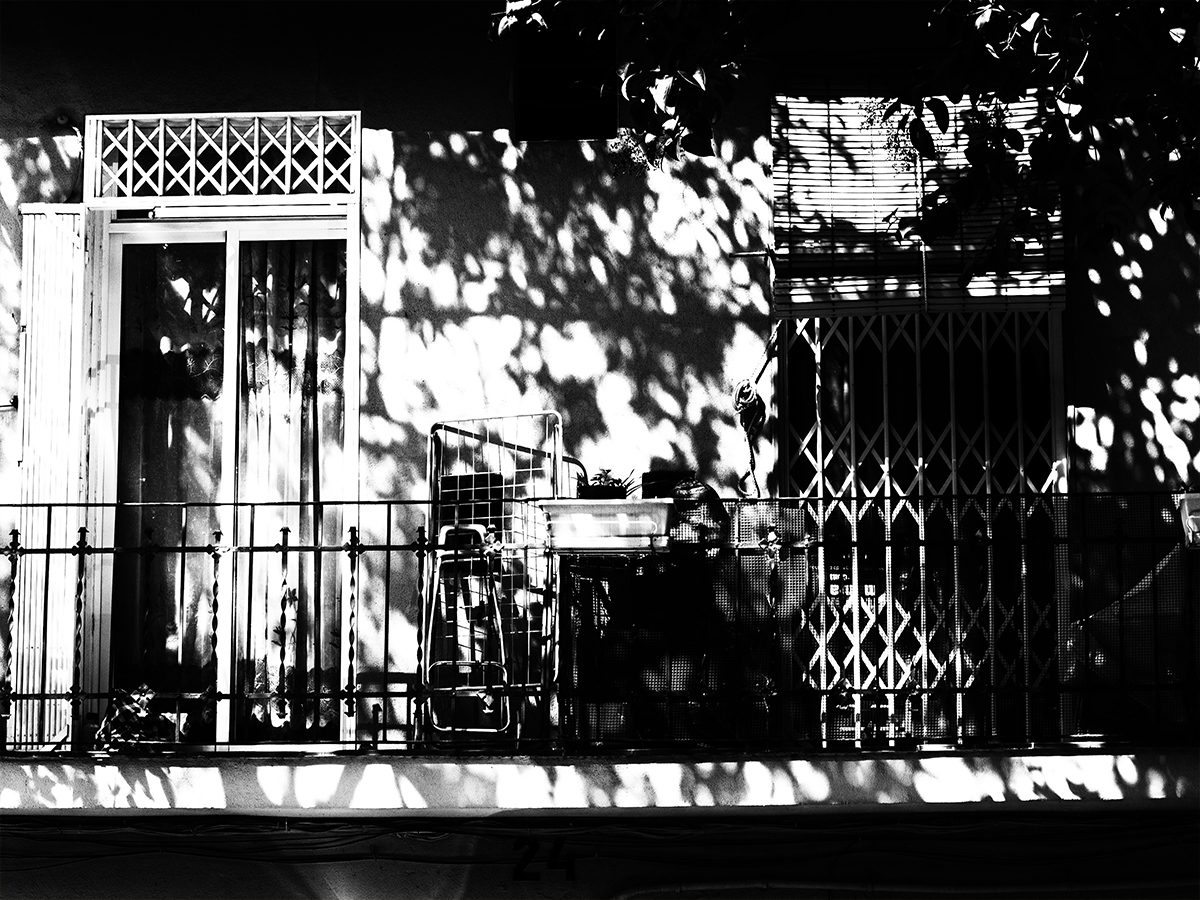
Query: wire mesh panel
x=489, y=617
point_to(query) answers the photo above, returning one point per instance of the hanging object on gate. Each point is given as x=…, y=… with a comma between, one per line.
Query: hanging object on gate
x=752, y=411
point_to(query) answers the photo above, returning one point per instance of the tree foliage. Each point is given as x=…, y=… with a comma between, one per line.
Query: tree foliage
x=1118, y=123
x=1118, y=129
x=676, y=63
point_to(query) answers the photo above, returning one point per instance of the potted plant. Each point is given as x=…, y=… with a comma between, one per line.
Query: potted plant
x=603, y=486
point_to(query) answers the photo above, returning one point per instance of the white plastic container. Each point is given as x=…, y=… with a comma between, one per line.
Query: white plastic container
x=600, y=526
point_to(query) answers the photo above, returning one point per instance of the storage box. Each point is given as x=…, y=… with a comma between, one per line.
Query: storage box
x=600, y=526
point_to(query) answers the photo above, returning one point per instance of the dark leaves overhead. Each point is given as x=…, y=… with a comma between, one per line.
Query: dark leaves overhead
x=1108, y=74
x=677, y=63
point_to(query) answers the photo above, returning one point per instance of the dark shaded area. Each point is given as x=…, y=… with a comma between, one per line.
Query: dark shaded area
x=976, y=853
x=412, y=66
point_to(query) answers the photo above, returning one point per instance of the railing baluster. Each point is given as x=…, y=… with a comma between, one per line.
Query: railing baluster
x=317, y=530
x=417, y=716
x=251, y=682
x=180, y=618
x=353, y=549
x=13, y=552
x=75, y=695
x=44, y=681
x=387, y=608
x=282, y=547
x=215, y=687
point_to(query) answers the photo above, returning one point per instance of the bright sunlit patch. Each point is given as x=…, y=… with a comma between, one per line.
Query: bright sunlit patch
x=1171, y=445
x=596, y=264
x=953, y=781
x=1089, y=437
x=1127, y=769
x=521, y=786
x=812, y=783
x=1157, y=220
x=274, y=782
x=1139, y=348
x=1156, y=784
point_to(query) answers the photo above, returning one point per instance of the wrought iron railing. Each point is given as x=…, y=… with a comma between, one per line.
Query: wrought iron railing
x=765, y=626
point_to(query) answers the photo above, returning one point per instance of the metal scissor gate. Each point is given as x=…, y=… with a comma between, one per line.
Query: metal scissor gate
x=489, y=616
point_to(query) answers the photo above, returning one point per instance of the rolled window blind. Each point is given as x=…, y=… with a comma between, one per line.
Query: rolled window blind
x=838, y=198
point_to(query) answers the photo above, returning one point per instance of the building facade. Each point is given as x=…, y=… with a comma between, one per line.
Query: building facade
x=293, y=378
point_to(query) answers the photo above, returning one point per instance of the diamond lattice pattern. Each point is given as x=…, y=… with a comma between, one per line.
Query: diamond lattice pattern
x=223, y=156
x=925, y=440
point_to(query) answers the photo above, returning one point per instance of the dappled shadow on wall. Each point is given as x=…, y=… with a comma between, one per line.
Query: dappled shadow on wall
x=1133, y=354
x=501, y=278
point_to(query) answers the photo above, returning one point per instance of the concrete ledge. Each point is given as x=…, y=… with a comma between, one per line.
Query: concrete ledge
x=381, y=785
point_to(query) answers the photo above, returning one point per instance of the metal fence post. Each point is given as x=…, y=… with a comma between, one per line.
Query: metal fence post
x=418, y=724
x=282, y=547
x=13, y=552
x=353, y=548
x=75, y=694
x=214, y=551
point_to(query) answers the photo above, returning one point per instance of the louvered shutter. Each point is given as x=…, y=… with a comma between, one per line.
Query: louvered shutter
x=838, y=197
x=51, y=427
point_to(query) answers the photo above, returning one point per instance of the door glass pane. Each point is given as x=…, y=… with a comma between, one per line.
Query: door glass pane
x=292, y=322
x=169, y=461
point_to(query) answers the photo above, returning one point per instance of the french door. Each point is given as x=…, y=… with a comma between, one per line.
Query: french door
x=229, y=344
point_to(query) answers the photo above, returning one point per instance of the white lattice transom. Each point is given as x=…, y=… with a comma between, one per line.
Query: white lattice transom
x=244, y=157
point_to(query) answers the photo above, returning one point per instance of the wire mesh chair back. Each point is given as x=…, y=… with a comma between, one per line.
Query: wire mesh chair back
x=490, y=618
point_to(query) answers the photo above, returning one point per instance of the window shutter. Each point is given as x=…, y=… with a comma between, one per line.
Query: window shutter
x=51, y=430
x=838, y=198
